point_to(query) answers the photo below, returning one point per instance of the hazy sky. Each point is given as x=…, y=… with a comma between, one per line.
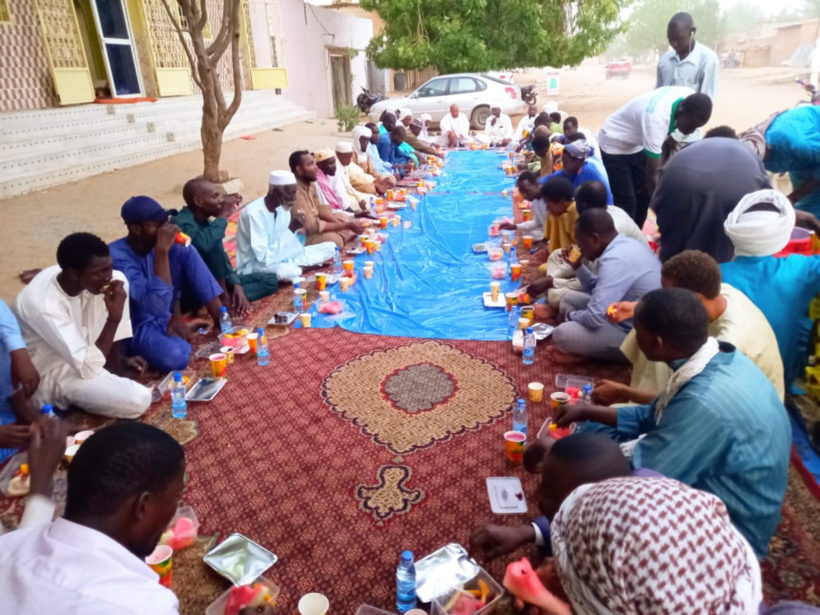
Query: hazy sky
x=767, y=7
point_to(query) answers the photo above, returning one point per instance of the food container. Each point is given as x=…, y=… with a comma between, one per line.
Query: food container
x=217, y=607
x=239, y=559
x=448, y=598
x=495, y=254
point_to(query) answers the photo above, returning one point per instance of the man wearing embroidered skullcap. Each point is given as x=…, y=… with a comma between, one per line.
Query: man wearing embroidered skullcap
x=357, y=202
x=270, y=238
x=576, y=169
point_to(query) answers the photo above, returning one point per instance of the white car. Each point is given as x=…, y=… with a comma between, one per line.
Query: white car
x=473, y=93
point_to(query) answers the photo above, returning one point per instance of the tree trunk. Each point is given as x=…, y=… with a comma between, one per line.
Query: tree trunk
x=211, y=144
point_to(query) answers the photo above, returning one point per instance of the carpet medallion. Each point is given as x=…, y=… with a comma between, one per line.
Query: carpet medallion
x=390, y=496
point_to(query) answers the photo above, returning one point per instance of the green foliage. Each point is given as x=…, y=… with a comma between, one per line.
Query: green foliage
x=347, y=117
x=646, y=25
x=482, y=35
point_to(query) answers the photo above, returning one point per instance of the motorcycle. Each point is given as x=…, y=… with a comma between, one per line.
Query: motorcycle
x=528, y=94
x=814, y=95
x=365, y=100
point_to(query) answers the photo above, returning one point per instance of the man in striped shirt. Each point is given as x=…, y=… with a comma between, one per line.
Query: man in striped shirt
x=718, y=426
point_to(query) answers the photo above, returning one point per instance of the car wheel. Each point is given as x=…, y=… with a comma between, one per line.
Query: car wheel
x=479, y=117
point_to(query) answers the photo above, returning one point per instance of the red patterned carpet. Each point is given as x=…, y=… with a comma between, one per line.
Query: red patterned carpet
x=349, y=448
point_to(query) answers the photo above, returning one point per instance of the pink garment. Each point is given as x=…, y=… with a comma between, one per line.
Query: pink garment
x=325, y=185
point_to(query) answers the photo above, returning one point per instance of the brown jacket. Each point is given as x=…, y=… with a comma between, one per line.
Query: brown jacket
x=308, y=203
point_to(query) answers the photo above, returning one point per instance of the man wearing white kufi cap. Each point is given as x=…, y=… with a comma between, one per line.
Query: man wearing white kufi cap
x=371, y=181
x=405, y=116
x=759, y=227
x=266, y=237
x=357, y=201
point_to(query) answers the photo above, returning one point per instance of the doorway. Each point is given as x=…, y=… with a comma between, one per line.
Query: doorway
x=340, y=78
x=117, y=45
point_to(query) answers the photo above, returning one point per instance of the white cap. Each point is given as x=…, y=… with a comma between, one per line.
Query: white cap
x=344, y=147
x=281, y=178
x=405, y=112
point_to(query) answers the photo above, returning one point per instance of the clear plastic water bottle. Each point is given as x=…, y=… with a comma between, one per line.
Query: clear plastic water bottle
x=586, y=395
x=48, y=412
x=406, y=583
x=337, y=261
x=520, y=417
x=512, y=322
x=373, y=206
x=262, y=350
x=298, y=299
x=179, y=406
x=529, y=347
x=513, y=257
x=225, y=321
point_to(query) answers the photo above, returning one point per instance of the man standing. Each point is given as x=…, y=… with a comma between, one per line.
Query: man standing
x=455, y=129
x=202, y=202
x=321, y=224
x=73, y=317
x=266, y=240
x=632, y=138
x=688, y=63
x=158, y=269
x=498, y=128
x=626, y=271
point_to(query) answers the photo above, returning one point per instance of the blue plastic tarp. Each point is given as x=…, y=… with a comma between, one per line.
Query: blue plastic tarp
x=428, y=283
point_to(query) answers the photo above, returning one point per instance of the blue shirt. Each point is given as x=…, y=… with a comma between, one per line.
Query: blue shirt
x=725, y=432
x=376, y=159
x=391, y=152
x=589, y=172
x=11, y=339
x=782, y=289
x=793, y=143
x=627, y=270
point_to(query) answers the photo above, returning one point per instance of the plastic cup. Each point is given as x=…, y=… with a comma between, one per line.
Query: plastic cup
x=219, y=365
x=305, y=318
x=559, y=399
x=505, y=236
x=71, y=451
x=395, y=220
x=505, y=193
x=379, y=200
x=313, y=604
x=495, y=290
x=389, y=195
x=370, y=264
x=527, y=241
x=526, y=214
x=229, y=353
x=371, y=247
x=183, y=239
x=368, y=273
x=344, y=284
x=525, y=263
x=523, y=323
x=528, y=312
x=515, y=272
x=506, y=247
x=161, y=562
x=348, y=267
x=407, y=224
x=512, y=299
x=324, y=297
x=383, y=222
x=82, y=436
x=377, y=246
x=536, y=390
x=321, y=281
x=512, y=154
x=514, y=445
x=252, y=337
x=403, y=191
x=363, y=239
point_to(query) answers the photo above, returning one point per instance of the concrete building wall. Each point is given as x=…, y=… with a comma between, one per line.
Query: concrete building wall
x=309, y=33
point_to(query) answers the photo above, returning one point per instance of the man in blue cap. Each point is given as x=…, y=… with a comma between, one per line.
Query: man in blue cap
x=158, y=269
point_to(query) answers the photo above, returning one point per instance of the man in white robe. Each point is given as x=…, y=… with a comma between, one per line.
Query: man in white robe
x=498, y=128
x=526, y=124
x=455, y=129
x=265, y=237
x=358, y=201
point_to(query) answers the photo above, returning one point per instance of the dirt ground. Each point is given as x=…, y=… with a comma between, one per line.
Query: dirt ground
x=34, y=224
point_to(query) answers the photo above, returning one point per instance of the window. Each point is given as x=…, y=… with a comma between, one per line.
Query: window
x=5, y=16
x=436, y=87
x=463, y=85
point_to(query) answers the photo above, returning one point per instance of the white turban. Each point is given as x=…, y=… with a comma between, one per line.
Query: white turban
x=281, y=178
x=405, y=112
x=426, y=117
x=760, y=233
x=359, y=132
x=343, y=147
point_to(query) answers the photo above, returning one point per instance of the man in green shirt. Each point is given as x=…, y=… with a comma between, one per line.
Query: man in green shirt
x=204, y=202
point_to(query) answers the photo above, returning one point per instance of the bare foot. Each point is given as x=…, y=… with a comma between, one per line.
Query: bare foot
x=544, y=311
x=562, y=358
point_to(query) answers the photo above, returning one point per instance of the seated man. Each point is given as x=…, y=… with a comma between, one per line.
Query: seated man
x=329, y=187
x=626, y=271
x=390, y=149
x=594, y=195
x=364, y=176
x=543, y=162
x=388, y=123
x=320, y=223
x=203, y=202
x=426, y=120
x=718, y=426
x=18, y=382
x=759, y=227
x=359, y=202
x=529, y=188
x=576, y=169
x=123, y=488
x=525, y=125
x=266, y=242
x=455, y=129
x=413, y=139
x=73, y=316
x=384, y=168
x=733, y=318
x=158, y=270
x=498, y=129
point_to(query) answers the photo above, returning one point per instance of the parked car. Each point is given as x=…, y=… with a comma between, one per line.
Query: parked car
x=618, y=68
x=474, y=94
x=505, y=76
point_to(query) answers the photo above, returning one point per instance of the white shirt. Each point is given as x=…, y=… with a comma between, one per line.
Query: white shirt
x=527, y=124
x=60, y=329
x=535, y=226
x=353, y=196
x=265, y=243
x=459, y=125
x=643, y=123
x=502, y=130
x=698, y=70
x=625, y=225
x=63, y=568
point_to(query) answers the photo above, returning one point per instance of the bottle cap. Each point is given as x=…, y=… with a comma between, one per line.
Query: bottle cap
x=177, y=376
x=296, y=285
x=261, y=332
x=224, y=309
x=529, y=330
x=407, y=556
x=587, y=388
x=521, y=402
x=47, y=409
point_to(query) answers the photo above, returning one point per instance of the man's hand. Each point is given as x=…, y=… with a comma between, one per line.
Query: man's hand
x=621, y=311
x=227, y=206
x=23, y=373
x=135, y=364
x=364, y=205
x=297, y=220
x=363, y=214
x=240, y=305
x=16, y=436
x=166, y=235
x=177, y=327
x=539, y=287
x=607, y=392
x=567, y=255
x=493, y=121
x=534, y=454
x=381, y=184
x=44, y=454
x=114, y=298
x=356, y=227
x=507, y=226
x=567, y=415
x=496, y=540
x=805, y=219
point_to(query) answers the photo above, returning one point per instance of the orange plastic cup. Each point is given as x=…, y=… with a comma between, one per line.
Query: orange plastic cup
x=512, y=299
x=515, y=272
x=348, y=266
x=383, y=222
x=252, y=337
x=161, y=562
x=321, y=281
x=219, y=365
x=389, y=195
x=514, y=446
x=527, y=239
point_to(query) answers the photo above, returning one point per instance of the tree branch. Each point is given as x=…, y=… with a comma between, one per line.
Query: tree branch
x=220, y=43
x=201, y=18
x=181, y=34
x=227, y=116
